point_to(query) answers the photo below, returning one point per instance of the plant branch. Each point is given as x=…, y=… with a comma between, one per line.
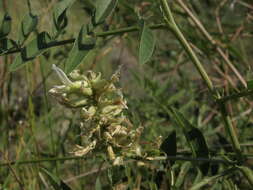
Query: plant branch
x=144, y=159
x=98, y=34
x=236, y=96
x=171, y=24
x=212, y=41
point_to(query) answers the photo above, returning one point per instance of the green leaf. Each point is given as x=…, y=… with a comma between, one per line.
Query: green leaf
x=208, y=180
x=28, y=25
x=182, y=174
x=6, y=44
x=250, y=84
x=195, y=139
x=33, y=49
x=59, y=13
x=115, y=174
x=147, y=44
x=98, y=185
x=248, y=174
x=103, y=9
x=169, y=145
x=198, y=142
x=82, y=46
x=56, y=182
x=6, y=26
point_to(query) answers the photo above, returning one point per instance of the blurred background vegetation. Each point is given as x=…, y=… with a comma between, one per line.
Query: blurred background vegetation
x=34, y=126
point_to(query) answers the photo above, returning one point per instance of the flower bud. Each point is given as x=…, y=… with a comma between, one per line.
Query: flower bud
x=88, y=114
x=112, y=110
x=118, y=161
x=76, y=75
x=110, y=153
x=81, y=151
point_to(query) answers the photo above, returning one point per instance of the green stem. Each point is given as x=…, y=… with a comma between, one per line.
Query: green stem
x=235, y=96
x=171, y=24
x=41, y=160
x=98, y=34
x=231, y=132
x=147, y=159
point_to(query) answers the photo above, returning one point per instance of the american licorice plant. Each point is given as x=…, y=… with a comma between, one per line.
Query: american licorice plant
x=116, y=94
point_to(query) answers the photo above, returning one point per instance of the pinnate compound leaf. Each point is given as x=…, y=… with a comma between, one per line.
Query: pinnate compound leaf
x=28, y=25
x=147, y=44
x=6, y=26
x=59, y=13
x=195, y=139
x=33, y=49
x=103, y=9
x=169, y=145
x=56, y=182
x=82, y=46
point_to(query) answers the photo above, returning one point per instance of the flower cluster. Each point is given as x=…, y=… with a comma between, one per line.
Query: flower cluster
x=101, y=107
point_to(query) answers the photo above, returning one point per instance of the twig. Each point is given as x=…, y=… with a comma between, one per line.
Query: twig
x=98, y=34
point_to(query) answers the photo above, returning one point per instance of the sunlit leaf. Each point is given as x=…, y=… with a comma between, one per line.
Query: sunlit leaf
x=147, y=44
x=104, y=9
x=59, y=13
x=28, y=25
x=6, y=26
x=82, y=46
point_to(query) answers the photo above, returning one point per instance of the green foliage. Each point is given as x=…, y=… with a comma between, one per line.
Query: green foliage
x=33, y=49
x=186, y=75
x=57, y=183
x=5, y=26
x=59, y=14
x=147, y=44
x=28, y=25
x=84, y=43
x=104, y=9
x=195, y=139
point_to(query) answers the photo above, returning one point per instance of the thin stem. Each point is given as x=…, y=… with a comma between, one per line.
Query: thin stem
x=49, y=120
x=41, y=160
x=98, y=34
x=231, y=131
x=171, y=24
x=212, y=41
x=236, y=96
x=146, y=159
x=29, y=6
